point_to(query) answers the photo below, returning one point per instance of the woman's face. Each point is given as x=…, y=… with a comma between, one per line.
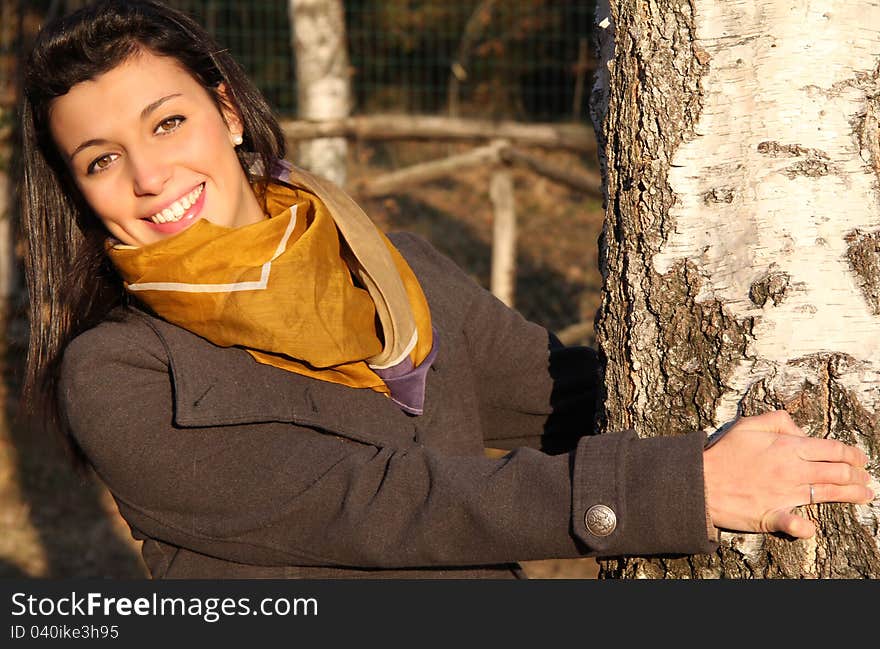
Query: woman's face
x=150, y=151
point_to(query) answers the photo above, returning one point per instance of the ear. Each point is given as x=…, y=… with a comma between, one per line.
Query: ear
x=229, y=111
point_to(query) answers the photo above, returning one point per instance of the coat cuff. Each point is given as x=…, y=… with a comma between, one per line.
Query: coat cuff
x=635, y=496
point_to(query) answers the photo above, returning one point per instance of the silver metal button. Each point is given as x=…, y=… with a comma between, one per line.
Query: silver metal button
x=600, y=520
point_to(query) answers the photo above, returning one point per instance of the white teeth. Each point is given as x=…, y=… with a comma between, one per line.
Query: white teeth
x=176, y=210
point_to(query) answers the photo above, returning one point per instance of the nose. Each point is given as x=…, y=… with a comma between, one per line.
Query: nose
x=149, y=172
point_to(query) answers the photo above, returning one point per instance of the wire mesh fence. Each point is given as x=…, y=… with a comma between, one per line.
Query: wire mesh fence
x=529, y=60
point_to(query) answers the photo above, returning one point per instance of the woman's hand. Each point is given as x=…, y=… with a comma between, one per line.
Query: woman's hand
x=764, y=467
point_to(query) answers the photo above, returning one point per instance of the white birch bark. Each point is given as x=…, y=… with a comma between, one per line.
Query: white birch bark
x=323, y=81
x=741, y=253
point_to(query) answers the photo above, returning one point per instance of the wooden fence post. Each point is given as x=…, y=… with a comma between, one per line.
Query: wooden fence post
x=503, y=235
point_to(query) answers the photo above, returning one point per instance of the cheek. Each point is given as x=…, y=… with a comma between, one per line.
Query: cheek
x=215, y=138
x=119, y=233
x=210, y=151
x=107, y=199
x=99, y=199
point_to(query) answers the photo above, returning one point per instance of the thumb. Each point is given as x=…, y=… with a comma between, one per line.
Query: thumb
x=785, y=521
x=781, y=422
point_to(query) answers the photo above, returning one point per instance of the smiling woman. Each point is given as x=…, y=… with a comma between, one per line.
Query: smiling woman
x=150, y=151
x=270, y=386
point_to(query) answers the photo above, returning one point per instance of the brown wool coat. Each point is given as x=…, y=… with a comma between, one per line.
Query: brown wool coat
x=227, y=468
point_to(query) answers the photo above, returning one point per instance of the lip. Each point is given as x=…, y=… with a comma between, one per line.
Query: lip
x=189, y=217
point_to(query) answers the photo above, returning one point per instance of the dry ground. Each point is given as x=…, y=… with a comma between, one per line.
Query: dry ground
x=55, y=523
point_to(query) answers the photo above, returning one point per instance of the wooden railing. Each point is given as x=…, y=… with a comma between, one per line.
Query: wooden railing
x=500, y=145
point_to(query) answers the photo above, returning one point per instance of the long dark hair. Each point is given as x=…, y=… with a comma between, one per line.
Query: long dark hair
x=71, y=284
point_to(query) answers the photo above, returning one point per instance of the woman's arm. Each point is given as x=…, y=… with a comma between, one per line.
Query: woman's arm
x=532, y=390
x=755, y=476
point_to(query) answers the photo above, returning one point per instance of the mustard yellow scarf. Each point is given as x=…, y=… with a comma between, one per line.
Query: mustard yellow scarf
x=292, y=290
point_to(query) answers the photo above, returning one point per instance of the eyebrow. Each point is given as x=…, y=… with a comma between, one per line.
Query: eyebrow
x=149, y=109
x=144, y=114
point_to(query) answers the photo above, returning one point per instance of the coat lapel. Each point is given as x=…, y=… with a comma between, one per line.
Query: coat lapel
x=217, y=386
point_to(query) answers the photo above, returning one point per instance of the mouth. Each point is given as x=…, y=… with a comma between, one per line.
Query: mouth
x=180, y=213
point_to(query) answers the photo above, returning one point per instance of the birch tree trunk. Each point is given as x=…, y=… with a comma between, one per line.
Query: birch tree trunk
x=741, y=249
x=323, y=83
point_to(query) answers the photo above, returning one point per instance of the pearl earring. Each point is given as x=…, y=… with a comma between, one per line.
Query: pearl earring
x=237, y=139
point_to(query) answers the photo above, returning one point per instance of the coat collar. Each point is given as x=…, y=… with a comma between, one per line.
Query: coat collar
x=219, y=386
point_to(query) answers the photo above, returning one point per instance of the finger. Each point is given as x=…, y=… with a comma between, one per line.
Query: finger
x=789, y=523
x=838, y=473
x=820, y=449
x=833, y=493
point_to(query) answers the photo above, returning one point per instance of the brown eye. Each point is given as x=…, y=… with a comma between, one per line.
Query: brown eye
x=100, y=164
x=169, y=125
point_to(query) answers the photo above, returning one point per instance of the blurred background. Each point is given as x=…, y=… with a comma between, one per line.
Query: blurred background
x=465, y=121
